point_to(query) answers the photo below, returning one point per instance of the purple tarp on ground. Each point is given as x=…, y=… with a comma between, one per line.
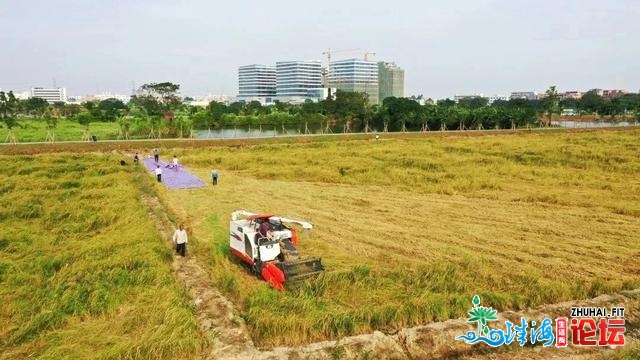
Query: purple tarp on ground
x=172, y=178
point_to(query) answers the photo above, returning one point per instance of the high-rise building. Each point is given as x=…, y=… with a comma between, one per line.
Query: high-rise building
x=52, y=95
x=257, y=82
x=390, y=80
x=297, y=81
x=354, y=75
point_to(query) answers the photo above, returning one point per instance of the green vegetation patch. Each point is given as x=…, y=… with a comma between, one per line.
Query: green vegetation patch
x=83, y=271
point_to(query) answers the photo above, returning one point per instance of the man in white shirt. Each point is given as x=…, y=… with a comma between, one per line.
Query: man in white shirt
x=159, y=173
x=180, y=238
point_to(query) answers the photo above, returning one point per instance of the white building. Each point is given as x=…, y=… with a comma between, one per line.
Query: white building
x=490, y=99
x=354, y=75
x=257, y=82
x=493, y=98
x=529, y=95
x=218, y=98
x=52, y=95
x=457, y=98
x=297, y=81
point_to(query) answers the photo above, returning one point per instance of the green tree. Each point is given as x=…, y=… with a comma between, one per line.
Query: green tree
x=473, y=102
x=403, y=113
x=236, y=108
x=167, y=92
x=9, y=106
x=592, y=103
x=35, y=106
x=253, y=108
x=281, y=106
x=51, y=119
x=445, y=103
x=201, y=119
x=216, y=111
x=152, y=106
x=551, y=104
x=71, y=110
x=158, y=98
x=310, y=107
x=111, y=109
x=84, y=118
x=570, y=104
x=58, y=109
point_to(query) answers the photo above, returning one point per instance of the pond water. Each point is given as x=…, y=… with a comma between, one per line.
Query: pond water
x=243, y=133
x=257, y=133
x=592, y=124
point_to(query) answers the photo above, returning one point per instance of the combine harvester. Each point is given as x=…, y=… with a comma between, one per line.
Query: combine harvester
x=266, y=243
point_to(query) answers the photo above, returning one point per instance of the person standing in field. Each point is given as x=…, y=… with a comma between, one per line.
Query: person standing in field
x=181, y=239
x=156, y=155
x=214, y=176
x=175, y=162
x=136, y=159
x=159, y=173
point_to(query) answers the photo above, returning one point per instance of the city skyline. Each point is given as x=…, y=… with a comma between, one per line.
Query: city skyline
x=490, y=47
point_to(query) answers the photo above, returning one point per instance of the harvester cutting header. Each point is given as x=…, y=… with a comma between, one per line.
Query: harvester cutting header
x=266, y=243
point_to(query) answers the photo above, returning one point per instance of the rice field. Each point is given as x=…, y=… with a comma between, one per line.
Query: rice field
x=410, y=229
x=83, y=271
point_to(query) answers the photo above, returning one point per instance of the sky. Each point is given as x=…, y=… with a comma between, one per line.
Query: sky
x=445, y=47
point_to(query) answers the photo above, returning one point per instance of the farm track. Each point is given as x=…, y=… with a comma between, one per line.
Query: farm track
x=223, y=332
x=126, y=145
x=227, y=338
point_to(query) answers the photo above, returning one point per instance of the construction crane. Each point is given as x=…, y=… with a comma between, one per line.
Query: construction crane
x=366, y=55
x=329, y=52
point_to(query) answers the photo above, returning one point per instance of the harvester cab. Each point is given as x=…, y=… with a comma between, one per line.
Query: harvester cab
x=267, y=244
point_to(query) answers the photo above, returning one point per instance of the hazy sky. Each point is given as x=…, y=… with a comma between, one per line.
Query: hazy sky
x=446, y=48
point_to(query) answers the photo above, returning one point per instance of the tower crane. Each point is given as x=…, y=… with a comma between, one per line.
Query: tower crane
x=329, y=52
x=366, y=55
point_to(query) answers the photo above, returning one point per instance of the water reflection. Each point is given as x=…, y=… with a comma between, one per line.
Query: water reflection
x=257, y=133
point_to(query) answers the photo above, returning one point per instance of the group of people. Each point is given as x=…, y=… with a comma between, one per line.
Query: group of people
x=180, y=237
x=174, y=164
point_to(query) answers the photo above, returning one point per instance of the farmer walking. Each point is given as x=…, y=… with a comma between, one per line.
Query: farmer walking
x=156, y=155
x=159, y=173
x=180, y=238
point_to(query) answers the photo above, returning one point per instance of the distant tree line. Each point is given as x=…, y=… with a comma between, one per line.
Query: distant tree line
x=157, y=110
x=592, y=103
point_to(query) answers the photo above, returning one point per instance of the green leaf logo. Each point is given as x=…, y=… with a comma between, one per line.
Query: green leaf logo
x=481, y=315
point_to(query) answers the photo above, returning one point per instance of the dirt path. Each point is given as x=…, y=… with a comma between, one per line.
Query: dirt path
x=227, y=336
x=225, y=333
